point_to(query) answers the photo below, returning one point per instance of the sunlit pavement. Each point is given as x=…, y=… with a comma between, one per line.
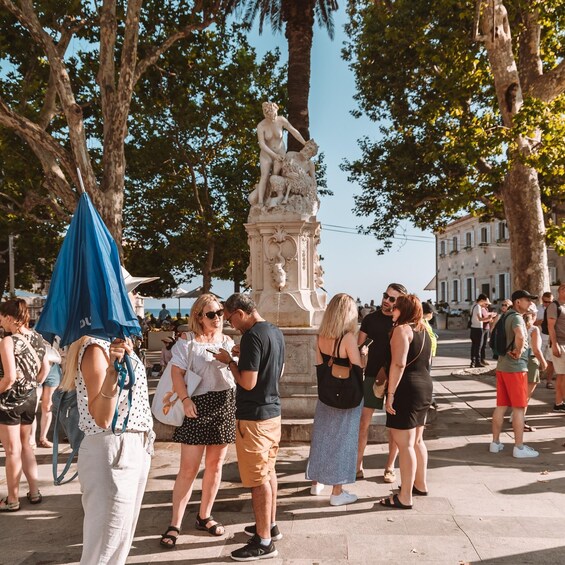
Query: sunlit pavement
x=481, y=507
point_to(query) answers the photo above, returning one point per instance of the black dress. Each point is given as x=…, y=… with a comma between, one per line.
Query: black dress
x=413, y=395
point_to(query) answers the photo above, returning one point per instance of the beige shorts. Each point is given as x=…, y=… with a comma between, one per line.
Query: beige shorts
x=257, y=445
x=559, y=362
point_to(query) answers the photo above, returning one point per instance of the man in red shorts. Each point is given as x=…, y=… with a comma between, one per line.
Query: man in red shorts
x=512, y=376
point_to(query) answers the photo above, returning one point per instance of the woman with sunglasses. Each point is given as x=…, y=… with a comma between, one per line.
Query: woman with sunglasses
x=209, y=423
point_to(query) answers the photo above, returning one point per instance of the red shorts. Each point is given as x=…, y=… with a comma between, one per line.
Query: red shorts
x=512, y=389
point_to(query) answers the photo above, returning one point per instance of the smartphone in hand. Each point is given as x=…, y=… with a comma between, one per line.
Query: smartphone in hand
x=212, y=351
x=366, y=343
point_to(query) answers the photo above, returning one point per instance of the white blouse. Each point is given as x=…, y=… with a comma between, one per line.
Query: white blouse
x=140, y=418
x=191, y=354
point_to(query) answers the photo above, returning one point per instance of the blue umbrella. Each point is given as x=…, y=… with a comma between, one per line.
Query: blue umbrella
x=87, y=295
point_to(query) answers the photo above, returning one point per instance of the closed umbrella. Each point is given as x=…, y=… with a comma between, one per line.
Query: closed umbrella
x=87, y=295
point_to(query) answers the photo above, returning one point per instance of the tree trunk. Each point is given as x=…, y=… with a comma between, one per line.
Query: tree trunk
x=524, y=215
x=520, y=192
x=207, y=267
x=299, y=17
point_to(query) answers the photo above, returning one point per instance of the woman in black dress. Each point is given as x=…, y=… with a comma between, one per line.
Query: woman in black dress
x=409, y=395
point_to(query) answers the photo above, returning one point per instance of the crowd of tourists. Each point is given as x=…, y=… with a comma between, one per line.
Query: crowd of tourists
x=384, y=364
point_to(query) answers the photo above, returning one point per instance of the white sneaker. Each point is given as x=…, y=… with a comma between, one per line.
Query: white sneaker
x=496, y=446
x=316, y=490
x=343, y=498
x=524, y=451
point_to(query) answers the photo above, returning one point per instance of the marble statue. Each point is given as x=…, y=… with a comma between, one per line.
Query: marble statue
x=270, y=135
x=297, y=178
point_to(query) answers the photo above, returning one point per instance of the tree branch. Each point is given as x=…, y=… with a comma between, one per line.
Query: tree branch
x=106, y=78
x=550, y=85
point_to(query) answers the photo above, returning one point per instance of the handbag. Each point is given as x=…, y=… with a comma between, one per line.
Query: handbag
x=344, y=389
x=167, y=407
x=66, y=412
x=24, y=385
x=381, y=382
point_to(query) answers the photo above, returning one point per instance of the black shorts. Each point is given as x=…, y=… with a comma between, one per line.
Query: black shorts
x=24, y=414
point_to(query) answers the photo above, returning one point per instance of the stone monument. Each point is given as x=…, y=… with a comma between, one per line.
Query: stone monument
x=285, y=273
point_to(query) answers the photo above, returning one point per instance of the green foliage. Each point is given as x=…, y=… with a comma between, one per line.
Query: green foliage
x=193, y=156
x=441, y=147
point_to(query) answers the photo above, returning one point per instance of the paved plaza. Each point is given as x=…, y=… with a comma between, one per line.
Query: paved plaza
x=482, y=507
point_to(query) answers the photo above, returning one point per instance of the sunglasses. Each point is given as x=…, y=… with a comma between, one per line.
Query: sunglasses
x=391, y=299
x=212, y=315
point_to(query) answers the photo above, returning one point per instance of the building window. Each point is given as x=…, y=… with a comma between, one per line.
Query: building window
x=468, y=240
x=484, y=236
x=455, y=291
x=553, y=276
x=503, y=284
x=502, y=232
x=442, y=248
x=455, y=245
x=469, y=290
x=443, y=291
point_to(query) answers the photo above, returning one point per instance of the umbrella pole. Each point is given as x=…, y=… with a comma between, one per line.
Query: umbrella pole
x=179, y=305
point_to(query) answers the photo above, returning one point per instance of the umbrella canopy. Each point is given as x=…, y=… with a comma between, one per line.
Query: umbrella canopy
x=132, y=282
x=87, y=295
x=194, y=293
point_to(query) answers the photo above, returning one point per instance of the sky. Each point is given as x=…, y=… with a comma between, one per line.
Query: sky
x=350, y=261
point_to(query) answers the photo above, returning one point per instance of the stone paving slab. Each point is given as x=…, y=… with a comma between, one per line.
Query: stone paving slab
x=482, y=507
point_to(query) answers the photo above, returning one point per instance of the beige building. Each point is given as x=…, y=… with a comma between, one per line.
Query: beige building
x=473, y=257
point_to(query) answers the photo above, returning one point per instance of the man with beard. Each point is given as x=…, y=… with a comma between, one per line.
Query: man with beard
x=377, y=326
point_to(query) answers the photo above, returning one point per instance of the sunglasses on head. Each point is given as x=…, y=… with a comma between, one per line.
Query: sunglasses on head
x=212, y=315
x=391, y=299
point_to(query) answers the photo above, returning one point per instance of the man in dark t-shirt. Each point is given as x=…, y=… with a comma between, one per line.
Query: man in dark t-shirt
x=258, y=418
x=377, y=326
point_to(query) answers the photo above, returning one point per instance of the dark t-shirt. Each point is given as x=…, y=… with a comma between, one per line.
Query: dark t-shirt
x=262, y=350
x=377, y=326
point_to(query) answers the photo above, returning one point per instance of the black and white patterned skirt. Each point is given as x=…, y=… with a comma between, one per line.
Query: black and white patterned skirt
x=215, y=424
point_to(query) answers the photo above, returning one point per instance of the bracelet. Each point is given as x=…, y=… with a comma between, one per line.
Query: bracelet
x=230, y=362
x=185, y=398
x=106, y=396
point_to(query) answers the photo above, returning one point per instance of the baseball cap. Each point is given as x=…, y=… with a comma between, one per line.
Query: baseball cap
x=517, y=294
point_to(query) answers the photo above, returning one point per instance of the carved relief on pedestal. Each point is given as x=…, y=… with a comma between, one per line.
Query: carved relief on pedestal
x=280, y=250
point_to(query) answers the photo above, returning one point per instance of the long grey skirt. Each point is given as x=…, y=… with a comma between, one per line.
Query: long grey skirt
x=333, y=450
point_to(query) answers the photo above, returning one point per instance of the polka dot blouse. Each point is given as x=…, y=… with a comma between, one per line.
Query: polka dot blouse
x=140, y=418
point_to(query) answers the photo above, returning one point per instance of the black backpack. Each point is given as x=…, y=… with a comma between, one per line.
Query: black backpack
x=544, y=328
x=498, y=342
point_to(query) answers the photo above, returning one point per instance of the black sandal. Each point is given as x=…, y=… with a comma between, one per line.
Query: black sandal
x=34, y=498
x=394, y=502
x=416, y=491
x=167, y=536
x=212, y=530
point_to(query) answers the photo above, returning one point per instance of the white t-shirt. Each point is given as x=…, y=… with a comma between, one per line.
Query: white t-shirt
x=475, y=314
x=193, y=355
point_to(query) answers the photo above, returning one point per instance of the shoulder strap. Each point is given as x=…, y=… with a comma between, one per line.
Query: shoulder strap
x=337, y=345
x=59, y=479
x=421, y=348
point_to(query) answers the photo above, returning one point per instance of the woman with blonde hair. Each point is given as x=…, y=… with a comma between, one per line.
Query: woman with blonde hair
x=112, y=469
x=409, y=395
x=23, y=367
x=209, y=423
x=335, y=434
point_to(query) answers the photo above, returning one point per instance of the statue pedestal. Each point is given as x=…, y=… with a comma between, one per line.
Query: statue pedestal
x=285, y=271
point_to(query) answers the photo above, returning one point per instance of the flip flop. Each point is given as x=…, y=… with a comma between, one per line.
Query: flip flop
x=394, y=502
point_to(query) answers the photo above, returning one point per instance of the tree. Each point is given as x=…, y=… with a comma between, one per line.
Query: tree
x=118, y=43
x=298, y=17
x=35, y=227
x=466, y=93
x=186, y=197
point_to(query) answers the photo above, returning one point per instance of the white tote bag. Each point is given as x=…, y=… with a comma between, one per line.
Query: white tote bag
x=167, y=407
